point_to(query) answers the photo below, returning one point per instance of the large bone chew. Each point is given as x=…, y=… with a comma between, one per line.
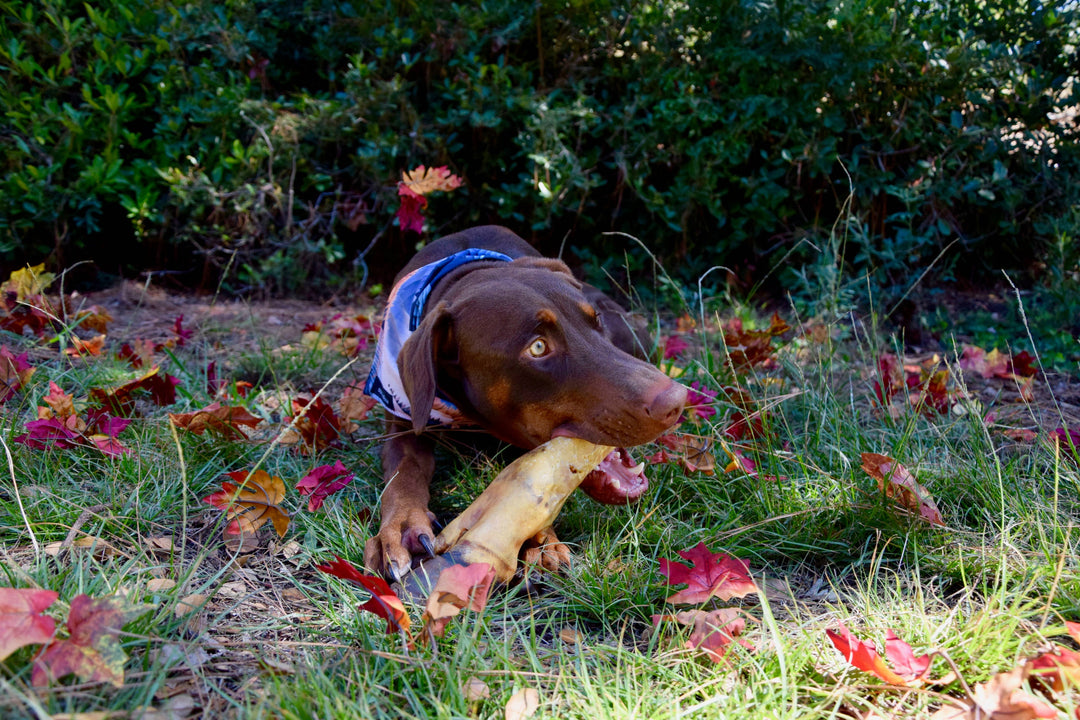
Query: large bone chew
x=523, y=500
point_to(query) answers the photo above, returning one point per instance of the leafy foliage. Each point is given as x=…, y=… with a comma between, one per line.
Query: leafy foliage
x=267, y=139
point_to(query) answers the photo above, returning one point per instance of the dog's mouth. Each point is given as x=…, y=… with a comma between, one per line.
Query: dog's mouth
x=616, y=480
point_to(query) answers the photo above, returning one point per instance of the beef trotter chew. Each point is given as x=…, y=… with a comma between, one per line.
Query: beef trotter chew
x=523, y=500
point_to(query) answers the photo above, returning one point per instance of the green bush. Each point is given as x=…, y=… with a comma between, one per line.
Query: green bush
x=258, y=143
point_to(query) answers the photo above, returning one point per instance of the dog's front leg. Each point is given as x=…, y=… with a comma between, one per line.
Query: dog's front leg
x=408, y=464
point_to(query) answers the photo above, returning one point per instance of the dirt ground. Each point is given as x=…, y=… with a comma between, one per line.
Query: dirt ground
x=141, y=311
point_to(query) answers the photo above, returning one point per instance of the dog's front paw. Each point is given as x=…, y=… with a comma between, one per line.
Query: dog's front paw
x=400, y=539
x=543, y=550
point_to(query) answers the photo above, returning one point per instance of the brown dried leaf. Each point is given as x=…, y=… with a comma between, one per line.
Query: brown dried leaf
x=522, y=704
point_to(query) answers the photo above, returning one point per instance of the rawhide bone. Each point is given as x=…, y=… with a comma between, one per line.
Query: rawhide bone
x=524, y=499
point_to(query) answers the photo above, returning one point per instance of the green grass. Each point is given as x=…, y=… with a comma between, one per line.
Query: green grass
x=276, y=638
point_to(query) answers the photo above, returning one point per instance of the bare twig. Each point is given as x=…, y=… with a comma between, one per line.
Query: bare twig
x=18, y=499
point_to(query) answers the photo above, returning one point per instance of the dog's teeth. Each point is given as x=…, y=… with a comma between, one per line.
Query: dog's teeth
x=637, y=469
x=615, y=483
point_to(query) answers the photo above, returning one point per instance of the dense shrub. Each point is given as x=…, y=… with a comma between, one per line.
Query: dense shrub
x=258, y=141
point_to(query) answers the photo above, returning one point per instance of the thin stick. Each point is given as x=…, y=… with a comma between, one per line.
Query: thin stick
x=183, y=491
x=18, y=499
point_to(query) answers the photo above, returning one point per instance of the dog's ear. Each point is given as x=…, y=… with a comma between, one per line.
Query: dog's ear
x=543, y=263
x=430, y=345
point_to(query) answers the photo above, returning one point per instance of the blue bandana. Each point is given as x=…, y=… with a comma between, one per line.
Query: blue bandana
x=404, y=311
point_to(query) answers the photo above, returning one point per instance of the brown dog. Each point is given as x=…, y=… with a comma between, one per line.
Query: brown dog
x=480, y=330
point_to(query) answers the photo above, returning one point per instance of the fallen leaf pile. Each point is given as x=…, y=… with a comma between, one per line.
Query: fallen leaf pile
x=60, y=425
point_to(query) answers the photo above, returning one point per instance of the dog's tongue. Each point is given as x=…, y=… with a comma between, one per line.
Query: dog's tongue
x=616, y=480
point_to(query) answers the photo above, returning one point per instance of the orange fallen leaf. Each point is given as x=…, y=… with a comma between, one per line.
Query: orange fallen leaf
x=251, y=504
x=224, y=420
x=899, y=484
x=82, y=348
x=354, y=406
x=709, y=575
x=999, y=698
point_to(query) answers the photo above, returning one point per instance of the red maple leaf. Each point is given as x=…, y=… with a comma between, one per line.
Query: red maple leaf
x=33, y=312
x=92, y=649
x=709, y=575
x=713, y=631
x=1023, y=364
x=1055, y=666
x=384, y=602
x=930, y=391
x=458, y=587
x=1069, y=442
x=903, y=658
x=55, y=432
x=317, y=427
x=322, y=482
x=21, y=621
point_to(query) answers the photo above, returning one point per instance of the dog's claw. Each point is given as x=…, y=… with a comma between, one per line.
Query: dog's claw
x=429, y=548
x=394, y=571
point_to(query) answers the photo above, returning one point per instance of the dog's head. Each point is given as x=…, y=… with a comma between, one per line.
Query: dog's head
x=525, y=355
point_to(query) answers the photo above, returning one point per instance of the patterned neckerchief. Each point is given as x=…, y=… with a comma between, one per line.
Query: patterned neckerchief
x=404, y=311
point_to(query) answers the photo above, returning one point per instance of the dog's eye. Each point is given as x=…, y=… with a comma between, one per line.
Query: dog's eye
x=538, y=348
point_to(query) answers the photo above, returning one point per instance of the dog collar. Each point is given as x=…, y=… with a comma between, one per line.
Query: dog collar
x=404, y=311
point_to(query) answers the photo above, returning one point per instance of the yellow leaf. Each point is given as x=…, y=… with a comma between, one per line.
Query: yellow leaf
x=29, y=281
x=422, y=181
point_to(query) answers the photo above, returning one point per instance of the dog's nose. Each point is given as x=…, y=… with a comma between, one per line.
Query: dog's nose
x=667, y=404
